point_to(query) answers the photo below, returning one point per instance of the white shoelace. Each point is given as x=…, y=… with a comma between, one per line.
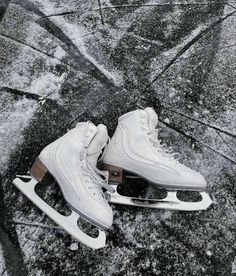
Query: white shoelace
x=166, y=152
x=95, y=175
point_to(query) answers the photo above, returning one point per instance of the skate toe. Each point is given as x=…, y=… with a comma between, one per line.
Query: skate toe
x=97, y=212
x=200, y=182
x=105, y=217
x=101, y=214
x=197, y=181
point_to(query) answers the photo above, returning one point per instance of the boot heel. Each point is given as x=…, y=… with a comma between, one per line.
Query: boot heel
x=38, y=170
x=115, y=173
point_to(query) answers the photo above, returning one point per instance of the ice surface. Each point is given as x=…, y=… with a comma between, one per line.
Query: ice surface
x=14, y=117
x=3, y=271
x=94, y=64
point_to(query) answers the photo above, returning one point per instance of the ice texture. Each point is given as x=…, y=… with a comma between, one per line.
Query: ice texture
x=67, y=61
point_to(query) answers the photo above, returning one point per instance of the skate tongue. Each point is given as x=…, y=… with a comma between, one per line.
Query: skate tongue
x=152, y=118
x=96, y=144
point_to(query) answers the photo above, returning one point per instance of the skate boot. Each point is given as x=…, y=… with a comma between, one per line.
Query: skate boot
x=72, y=160
x=135, y=151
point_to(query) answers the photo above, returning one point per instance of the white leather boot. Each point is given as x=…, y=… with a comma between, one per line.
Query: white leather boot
x=135, y=148
x=72, y=161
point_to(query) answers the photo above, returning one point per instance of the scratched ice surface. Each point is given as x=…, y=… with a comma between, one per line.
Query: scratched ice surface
x=67, y=61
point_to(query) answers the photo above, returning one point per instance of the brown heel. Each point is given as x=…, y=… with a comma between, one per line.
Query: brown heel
x=115, y=173
x=38, y=170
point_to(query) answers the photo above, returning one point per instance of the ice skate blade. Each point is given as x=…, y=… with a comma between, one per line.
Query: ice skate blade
x=68, y=223
x=171, y=202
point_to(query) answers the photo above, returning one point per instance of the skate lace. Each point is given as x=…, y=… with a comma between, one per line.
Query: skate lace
x=99, y=178
x=162, y=147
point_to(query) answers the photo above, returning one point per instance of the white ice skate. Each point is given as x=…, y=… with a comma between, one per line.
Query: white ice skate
x=71, y=160
x=135, y=151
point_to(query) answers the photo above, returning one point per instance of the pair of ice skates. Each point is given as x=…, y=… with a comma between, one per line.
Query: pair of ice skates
x=134, y=152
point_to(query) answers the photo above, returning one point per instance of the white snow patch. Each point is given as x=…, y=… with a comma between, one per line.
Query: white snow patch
x=168, y=55
x=14, y=118
x=234, y=266
x=74, y=247
x=167, y=120
x=205, y=112
x=2, y=264
x=37, y=38
x=59, y=53
x=18, y=75
x=79, y=35
x=76, y=33
x=55, y=7
x=47, y=85
x=209, y=253
x=172, y=94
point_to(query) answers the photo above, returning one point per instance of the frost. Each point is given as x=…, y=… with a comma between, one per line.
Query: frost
x=47, y=85
x=234, y=266
x=74, y=247
x=14, y=118
x=209, y=253
x=172, y=94
x=166, y=120
x=133, y=46
x=3, y=272
x=59, y=52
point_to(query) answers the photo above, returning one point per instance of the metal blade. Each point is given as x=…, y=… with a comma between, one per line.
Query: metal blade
x=68, y=223
x=171, y=202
